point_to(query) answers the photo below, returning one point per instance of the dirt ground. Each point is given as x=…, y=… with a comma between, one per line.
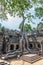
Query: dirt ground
x=21, y=62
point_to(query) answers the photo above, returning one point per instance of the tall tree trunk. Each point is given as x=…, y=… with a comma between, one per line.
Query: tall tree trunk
x=22, y=30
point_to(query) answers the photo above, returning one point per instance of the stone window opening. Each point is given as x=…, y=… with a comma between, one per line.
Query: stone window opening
x=30, y=46
x=17, y=47
x=10, y=36
x=39, y=46
x=11, y=47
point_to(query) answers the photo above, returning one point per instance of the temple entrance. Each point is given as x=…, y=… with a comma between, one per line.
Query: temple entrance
x=30, y=46
x=39, y=46
x=12, y=47
x=17, y=47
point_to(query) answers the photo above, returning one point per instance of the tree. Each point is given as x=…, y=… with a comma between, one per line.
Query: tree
x=0, y=25
x=2, y=11
x=27, y=27
x=21, y=8
x=39, y=9
x=40, y=26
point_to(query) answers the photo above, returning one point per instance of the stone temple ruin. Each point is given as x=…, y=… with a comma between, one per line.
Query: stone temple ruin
x=10, y=41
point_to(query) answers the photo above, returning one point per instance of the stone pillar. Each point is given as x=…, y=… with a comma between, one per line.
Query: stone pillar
x=42, y=48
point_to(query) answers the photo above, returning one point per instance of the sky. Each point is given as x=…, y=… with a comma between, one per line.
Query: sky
x=14, y=22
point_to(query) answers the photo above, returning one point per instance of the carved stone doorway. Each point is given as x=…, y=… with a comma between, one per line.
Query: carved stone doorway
x=11, y=47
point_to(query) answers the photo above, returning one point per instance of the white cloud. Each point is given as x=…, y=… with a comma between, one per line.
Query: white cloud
x=12, y=22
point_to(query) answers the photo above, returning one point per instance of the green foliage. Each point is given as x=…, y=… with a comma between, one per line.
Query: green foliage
x=34, y=29
x=39, y=12
x=38, y=1
x=3, y=28
x=19, y=7
x=38, y=4
x=3, y=10
x=40, y=26
x=27, y=27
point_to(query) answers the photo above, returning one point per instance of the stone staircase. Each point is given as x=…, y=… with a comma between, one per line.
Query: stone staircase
x=31, y=58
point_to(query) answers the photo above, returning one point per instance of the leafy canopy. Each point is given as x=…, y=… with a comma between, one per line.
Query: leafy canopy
x=40, y=26
x=21, y=8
